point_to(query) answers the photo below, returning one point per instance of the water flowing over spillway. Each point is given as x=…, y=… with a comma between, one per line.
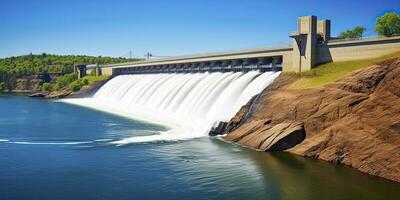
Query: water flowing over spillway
x=190, y=104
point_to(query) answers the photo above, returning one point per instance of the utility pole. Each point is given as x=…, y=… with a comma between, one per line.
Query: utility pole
x=130, y=54
x=148, y=55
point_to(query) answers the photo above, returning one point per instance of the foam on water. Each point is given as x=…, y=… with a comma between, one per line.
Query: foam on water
x=97, y=141
x=103, y=140
x=50, y=143
x=188, y=104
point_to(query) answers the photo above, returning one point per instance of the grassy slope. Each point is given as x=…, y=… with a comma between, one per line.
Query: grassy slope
x=70, y=87
x=330, y=72
x=80, y=81
x=93, y=79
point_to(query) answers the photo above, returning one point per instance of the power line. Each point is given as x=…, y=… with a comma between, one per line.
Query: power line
x=148, y=55
x=129, y=54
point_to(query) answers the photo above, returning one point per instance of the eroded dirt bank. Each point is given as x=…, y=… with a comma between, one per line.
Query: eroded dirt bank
x=354, y=121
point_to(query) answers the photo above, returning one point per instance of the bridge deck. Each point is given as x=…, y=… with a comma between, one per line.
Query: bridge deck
x=263, y=59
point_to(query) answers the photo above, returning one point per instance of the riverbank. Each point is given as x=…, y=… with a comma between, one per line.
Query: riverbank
x=73, y=88
x=353, y=121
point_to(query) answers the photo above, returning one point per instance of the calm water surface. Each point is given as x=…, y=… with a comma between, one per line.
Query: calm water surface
x=51, y=150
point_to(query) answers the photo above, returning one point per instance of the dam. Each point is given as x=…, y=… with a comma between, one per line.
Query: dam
x=236, y=124
x=312, y=44
x=193, y=94
x=189, y=104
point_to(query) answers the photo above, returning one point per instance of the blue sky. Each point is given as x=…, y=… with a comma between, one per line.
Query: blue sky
x=168, y=27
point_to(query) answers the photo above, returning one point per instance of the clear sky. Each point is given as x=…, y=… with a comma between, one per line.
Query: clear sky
x=168, y=27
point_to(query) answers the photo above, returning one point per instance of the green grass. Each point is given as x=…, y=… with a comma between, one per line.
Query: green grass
x=87, y=80
x=70, y=82
x=92, y=79
x=327, y=73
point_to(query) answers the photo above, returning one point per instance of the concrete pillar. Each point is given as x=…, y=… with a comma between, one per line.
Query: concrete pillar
x=98, y=71
x=304, y=43
x=80, y=70
x=273, y=63
x=324, y=29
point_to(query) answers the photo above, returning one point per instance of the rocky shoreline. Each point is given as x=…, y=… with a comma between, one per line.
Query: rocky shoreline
x=354, y=121
x=85, y=91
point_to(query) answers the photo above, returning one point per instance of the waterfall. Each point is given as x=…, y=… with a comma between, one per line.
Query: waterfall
x=189, y=104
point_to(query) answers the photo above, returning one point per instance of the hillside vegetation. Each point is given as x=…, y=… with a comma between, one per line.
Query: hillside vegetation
x=47, y=63
x=22, y=72
x=330, y=72
x=70, y=83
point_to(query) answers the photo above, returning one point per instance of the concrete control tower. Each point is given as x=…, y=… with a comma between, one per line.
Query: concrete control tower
x=309, y=33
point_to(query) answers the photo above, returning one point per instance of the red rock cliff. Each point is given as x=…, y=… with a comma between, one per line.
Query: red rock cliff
x=354, y=121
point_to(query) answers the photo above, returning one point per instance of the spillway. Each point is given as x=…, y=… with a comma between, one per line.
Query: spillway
x=190, y=104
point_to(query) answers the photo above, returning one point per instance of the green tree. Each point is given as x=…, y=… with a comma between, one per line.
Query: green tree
x=47, y=87
x=356, y=32
x=388, y=24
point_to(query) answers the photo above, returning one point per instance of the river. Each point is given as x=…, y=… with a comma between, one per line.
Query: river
x=53, y=150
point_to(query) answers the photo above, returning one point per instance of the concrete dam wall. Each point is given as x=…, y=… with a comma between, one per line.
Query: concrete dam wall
x=356, y=49
x=312, y=45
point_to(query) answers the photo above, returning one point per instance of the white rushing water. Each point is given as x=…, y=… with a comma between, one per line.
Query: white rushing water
x=190, y=104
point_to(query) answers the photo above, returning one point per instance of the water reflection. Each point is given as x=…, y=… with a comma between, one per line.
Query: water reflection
x=221, y=168
x=303, y=178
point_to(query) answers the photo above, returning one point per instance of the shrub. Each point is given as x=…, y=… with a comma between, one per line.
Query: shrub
x=65, y=80
x=47, y=87
x=75, y=86
x=85, y=82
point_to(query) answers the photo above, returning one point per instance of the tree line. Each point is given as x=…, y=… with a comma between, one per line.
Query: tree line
x=15, y=67
x=48, y=63
x=387, y=25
